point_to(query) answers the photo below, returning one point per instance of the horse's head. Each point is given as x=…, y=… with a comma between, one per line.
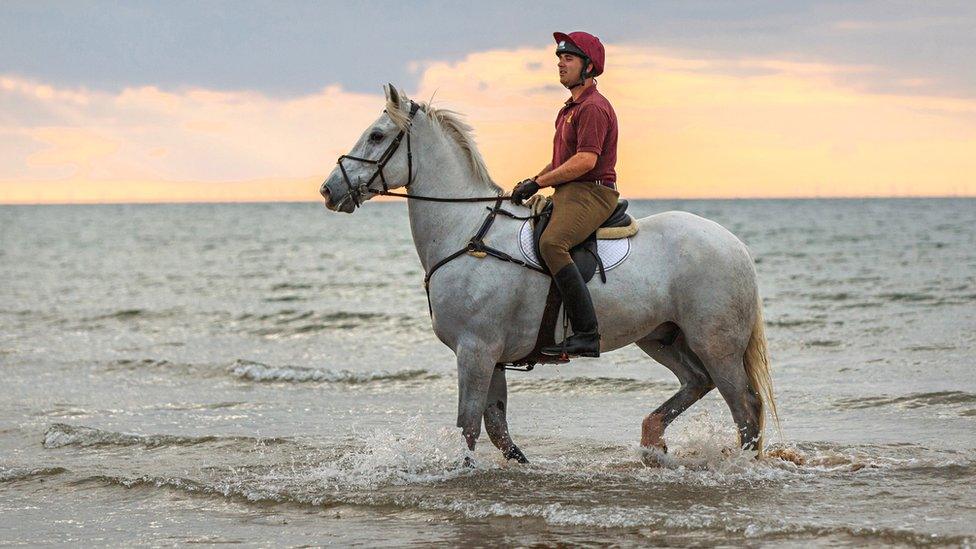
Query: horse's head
x=380, y=160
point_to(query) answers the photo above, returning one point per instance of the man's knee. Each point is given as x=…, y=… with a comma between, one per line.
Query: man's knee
x=548, y=246
x=554, y=252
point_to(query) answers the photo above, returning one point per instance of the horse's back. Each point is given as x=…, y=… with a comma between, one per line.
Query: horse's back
x=676, y=225
x=689, y=240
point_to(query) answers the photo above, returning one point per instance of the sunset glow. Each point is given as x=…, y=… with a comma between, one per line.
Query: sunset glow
x=691, y=126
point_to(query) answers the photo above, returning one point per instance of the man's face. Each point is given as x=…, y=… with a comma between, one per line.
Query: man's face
x=569, y=68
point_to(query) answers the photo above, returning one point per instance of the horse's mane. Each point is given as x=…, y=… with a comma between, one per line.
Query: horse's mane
x=452, y=124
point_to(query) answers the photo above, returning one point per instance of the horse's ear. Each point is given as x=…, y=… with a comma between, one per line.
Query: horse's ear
x=391, y=95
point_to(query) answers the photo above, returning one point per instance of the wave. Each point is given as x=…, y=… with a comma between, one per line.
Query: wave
x=255, y=371
x=926, y=298
x=795, y=322
x=249, y=370
x=13, y=474
x=848, y=300
x=587, y=385
x=823, y=343
x=180, y=406
x=906, y=296
x=924, y=348
x=138, y=364
x=60, y=435
x=294, y=322
x=157, y=365
x=132, y=314
x=284, y=286
x=283, y=299
x=914, y=400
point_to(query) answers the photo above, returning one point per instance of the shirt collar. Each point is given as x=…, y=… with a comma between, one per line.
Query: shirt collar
x=586, y=93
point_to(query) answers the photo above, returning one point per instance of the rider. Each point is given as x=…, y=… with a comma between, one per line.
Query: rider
x=582, y=172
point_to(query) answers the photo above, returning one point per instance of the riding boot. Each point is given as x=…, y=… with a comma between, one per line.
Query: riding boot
x=585, y=340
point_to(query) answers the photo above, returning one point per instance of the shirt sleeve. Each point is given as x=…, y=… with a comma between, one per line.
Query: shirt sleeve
x=592, y=125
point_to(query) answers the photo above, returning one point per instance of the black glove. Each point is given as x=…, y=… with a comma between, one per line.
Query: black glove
x=524, y=190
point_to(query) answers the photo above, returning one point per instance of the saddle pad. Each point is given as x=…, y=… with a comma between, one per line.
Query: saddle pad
x=612, y=252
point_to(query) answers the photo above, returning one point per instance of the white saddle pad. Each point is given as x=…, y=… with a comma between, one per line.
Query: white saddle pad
x=612, y=252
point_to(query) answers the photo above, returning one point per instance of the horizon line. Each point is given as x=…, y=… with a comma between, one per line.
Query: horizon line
x=397, y=200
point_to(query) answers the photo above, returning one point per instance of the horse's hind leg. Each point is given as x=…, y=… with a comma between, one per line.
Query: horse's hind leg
x=729, y=374
x=694, y=379
x=496, y=423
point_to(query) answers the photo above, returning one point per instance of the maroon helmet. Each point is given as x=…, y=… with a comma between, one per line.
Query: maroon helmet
x=585, y=45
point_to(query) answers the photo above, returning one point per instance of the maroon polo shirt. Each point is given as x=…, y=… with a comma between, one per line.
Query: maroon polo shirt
x=588, y=124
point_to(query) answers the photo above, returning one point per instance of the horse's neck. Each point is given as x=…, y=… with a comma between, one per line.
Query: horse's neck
x=442, y=228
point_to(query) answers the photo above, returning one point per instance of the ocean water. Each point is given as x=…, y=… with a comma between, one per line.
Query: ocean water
x=266, y=374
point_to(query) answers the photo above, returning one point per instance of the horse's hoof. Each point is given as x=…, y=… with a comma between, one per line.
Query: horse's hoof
x=653, y=456
x=516, y=454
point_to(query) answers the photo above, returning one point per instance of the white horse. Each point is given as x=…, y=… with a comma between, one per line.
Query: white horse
x=687, y=294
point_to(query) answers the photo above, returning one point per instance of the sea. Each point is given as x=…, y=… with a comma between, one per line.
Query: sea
x=266, y=375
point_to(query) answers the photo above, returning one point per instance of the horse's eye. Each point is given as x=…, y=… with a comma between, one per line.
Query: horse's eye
x=376, y=137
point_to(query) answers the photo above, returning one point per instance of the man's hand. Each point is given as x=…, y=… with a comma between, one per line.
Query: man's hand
x=524, y=190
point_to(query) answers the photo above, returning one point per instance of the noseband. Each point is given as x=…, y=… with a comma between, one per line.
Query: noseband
x=356, y=192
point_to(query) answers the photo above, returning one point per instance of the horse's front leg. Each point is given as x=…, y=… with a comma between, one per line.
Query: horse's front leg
x=476, y=365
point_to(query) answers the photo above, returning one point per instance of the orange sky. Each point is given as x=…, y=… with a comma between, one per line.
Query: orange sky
x=689, y=127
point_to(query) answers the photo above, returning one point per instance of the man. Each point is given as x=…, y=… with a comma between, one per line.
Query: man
x=582, y=172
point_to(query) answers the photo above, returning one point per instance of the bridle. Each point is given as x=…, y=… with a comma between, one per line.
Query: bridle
x=356, y=192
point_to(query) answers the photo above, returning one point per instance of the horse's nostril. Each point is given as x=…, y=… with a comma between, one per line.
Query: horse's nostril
x=324, y=191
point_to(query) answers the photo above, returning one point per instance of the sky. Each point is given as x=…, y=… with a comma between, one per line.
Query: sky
x=253, y=101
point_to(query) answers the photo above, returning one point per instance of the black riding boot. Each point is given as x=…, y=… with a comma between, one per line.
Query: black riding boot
x=585, y=340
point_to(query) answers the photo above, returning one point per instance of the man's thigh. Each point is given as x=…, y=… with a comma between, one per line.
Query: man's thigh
x=578, y=210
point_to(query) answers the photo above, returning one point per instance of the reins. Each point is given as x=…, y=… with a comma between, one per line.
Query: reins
x=442, y=199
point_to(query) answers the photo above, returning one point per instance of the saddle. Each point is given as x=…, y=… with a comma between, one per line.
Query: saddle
x=618, y=225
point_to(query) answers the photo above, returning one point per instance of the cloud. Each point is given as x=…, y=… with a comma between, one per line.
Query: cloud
x=690, y=126
x=206, y=135
x=79, y=148
x=724, y=127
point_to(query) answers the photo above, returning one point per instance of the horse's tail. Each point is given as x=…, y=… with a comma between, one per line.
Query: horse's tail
x=756, y=362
